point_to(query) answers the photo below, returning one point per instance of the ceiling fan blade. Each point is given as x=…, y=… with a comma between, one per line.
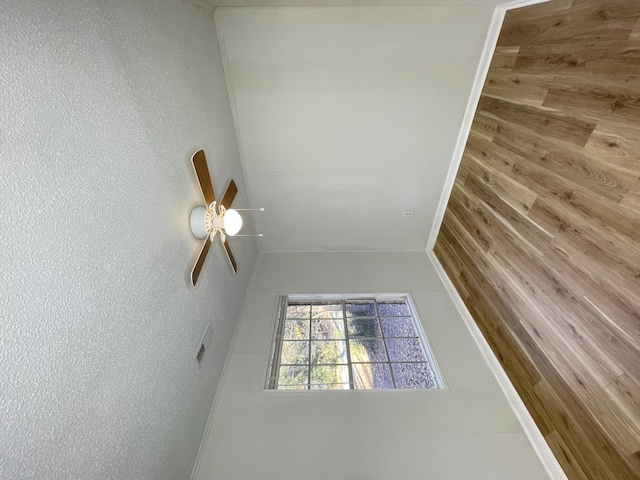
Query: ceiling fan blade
x=229, y=195
x=202, y=172
x=195, y=273
x=230, y=256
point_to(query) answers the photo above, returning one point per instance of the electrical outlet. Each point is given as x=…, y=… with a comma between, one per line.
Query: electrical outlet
x=407, y=213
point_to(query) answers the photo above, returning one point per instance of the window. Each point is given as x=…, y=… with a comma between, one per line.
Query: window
x=350, y=344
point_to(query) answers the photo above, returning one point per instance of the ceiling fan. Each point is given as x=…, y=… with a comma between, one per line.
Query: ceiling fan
x=213, y=218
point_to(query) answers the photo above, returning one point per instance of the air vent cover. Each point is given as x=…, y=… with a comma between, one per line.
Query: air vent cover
x=204, y=343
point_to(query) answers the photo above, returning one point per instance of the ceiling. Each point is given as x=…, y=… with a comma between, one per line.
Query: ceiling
x=347, y=117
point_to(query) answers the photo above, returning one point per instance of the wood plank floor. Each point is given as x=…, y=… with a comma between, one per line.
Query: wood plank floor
x=542, y=230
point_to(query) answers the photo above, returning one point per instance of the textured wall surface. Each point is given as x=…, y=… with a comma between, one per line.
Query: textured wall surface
x=101, y=106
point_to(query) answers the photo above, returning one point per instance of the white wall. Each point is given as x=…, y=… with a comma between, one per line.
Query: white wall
x=348, y=116
x=101, y=106
x=465, y=432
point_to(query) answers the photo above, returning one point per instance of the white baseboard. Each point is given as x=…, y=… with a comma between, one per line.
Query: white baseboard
x=546, y=456
x=474, y=97
x=521, y=3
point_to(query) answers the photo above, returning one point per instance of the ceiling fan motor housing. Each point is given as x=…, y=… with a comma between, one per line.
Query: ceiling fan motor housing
x=198, y=223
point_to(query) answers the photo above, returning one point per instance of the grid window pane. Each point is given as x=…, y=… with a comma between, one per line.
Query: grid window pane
x=327, y=374
x=298, y=311
x=333, y=310
x=296, y=330
x=360, y=309
x=327, y=329
x=330, y=386
x=364, y=327
x=393, y=309
x=413, y=375
x=331, y=351
x=293, y=375
x=350, y=344
x=292, y=387
x=295, y=352
x=405, y=350
x=372, y=375
x=398, y=327
x=367, y=350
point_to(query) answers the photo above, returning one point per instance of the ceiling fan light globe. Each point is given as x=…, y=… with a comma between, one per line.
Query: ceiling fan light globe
x=232, y=222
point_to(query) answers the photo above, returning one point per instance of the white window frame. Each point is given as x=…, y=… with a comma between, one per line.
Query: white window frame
x=277, y=339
